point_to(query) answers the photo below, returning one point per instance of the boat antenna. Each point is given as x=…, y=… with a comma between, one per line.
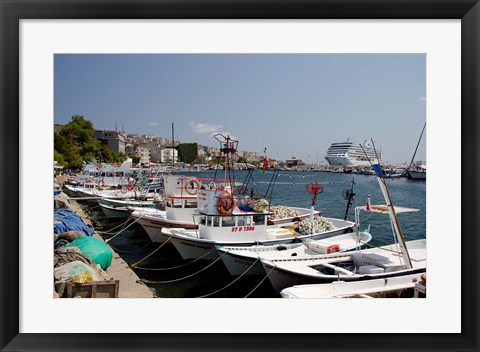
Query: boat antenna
x=418, y=143
x=173, y=147
x=271, y=186
x=348, y=196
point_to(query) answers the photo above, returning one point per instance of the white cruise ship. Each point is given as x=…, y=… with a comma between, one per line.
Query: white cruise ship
x=351, y=154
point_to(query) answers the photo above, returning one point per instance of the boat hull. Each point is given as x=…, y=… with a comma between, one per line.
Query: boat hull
x=153, y=227
x=281, y=279
x=415, y=175
x=364, y=288
x=115, y=212
x=190, y=247
x=238, y=264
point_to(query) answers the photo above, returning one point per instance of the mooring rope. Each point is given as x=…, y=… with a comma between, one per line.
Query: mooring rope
x=231, y=283
x=173, y=267
x=123, y=223
x=148, y=256
x=123, y=229
x=259, y=283
x=185, y=277
x=132, y=251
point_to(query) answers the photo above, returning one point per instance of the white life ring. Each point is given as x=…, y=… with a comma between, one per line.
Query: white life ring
x=192, y=187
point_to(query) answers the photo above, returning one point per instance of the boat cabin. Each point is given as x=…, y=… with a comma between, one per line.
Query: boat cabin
x=180, y=208
x=250, y=226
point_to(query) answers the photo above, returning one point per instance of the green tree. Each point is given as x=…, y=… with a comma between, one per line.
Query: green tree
x=187, y=152
x=75, y=143
x=59, y=158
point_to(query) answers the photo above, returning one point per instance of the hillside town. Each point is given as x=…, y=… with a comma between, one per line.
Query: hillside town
x=151, y=151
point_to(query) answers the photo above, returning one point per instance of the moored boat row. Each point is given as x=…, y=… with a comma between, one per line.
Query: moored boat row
x=218, y=218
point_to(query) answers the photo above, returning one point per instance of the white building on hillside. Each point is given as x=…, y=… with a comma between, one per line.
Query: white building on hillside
x=169, y=155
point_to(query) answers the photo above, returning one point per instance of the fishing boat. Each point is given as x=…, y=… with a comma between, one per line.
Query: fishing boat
x=121, y=208
x=131, y=190
x=244, y=260
x=398, y=259
x=57, y=189
x=227, y=218
x=180, y=204
x=387, y=287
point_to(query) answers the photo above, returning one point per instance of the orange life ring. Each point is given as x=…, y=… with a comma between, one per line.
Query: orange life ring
x=226, y=203
x=423, y=277
x=192, y=187
x=333, y=248
x=130, y=186
x=243, y=189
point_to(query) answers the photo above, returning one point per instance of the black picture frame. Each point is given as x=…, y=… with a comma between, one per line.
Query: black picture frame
x=11, y=11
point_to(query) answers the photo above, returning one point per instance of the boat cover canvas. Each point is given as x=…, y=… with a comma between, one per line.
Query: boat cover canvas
x=65, y=220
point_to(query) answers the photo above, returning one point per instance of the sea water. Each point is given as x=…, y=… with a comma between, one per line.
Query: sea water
x=170, y=276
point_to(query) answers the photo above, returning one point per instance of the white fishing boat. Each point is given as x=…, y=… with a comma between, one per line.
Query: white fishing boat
x=131, y=190
x=239, y=229
x=57, y=189
x=374, y=263
x=385, y=287
x=400, y=258
x=180, y=204
x=120, y=208
x=244, y=260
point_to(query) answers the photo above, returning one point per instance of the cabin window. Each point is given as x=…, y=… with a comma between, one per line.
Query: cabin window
x=244, y=220
x=203, y=220
x=215, y=221
x=191, y=204
x=228, y=221
x=176, y=203
x=259, y=219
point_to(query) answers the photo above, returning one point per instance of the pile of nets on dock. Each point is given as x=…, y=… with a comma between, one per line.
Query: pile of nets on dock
x=65, y=220
x=79, y=258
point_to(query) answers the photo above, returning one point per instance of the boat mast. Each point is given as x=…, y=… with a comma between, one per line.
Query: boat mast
x=418, y=143
x=391, y=211
x=173, y=147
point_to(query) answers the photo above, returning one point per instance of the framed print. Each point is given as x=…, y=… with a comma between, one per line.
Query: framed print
x=442, y=35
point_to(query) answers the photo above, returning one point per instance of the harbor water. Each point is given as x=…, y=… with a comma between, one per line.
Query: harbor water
x=170, y=276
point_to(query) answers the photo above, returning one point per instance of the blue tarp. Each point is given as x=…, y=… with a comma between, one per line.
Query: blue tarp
x=66, y=220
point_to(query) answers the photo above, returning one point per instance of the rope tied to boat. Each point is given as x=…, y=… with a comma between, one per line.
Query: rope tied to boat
x=185, y=277
x=130, y=251
x=259, y=283
x=148, y=256
x=231, y=283
x=109, y=232
x=123, y=229
x=173, y=267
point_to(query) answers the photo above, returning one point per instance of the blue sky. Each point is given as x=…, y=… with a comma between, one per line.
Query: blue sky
x=293, y=104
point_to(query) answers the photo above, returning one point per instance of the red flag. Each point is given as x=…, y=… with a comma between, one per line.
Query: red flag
x=265, y=160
